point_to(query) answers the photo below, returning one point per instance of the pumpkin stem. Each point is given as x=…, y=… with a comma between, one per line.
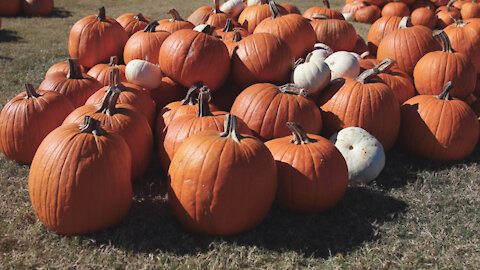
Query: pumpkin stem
x=404, y=22
x=291, y=88
x=299, y=134
x=443, y=39
x=320, y=16
x=74, y=70
x=206, y=29
x=274, y=9
x=237, y=36
x=230, y=128
x=364, y=54
x=113, y=61
x=92, y=126
x=204, y=98
x=189, y=98
x=326, y=3
x=109, y=101
x=216, y=6
x=385, y=65
x=450, y=3
x=300, y=61
x=367, y=75
x=228, y=25
x=31, y=92
x=151, y=26
x=459, y=22
x=445, y=94
x=101, y=14
x=139, y=17
x=175, y=15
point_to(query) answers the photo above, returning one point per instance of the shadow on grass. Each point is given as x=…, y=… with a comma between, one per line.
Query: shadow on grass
x=151, y=226
x=60, y=12
x=9, y=36
x=403, y=168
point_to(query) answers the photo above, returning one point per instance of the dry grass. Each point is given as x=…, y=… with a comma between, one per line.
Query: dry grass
x=418, y=214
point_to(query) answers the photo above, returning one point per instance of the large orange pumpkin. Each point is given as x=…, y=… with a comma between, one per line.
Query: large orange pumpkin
x=124, y=120
x=379, y=29
x=208, y=14
x=145, y=44
x=365, y=102
x=266, y=108
x=336, y=34
x=79, y=181
x=188, y=56
x=95, y=38
x=132, y=22
x=294, y=29
x=465, y=38
x=439, y=127
x=395, y=8
x=331, y=13
x=424, y=16
x=437, y=68
x=470, y=10
x=75, y=85
x=447, y=15
x=175, y=23
x=312, y=173
x=27, y=119
x=407, y=45
x=211, y=176
x=251, y=16
x=101, y=72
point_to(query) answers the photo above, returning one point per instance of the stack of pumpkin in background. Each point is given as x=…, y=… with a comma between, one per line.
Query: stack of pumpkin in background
x=234, y=101
x=10, y=8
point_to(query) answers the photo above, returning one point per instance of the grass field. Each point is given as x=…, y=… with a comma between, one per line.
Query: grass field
x=416, y=215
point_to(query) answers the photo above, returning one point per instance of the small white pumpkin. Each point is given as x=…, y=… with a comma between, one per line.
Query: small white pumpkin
x=320, y=52
x=233, y=7
x=312, y=75
x=143, y=73
x=349, y=16
x=255, y=2
x=343, y=64
x=363, y=153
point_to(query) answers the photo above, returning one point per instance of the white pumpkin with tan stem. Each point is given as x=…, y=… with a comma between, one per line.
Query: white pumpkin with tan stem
x=233, y=7
x=143, y=73
x=312, y=75
x=343, y=64
x=363, y=153
x=320, y=52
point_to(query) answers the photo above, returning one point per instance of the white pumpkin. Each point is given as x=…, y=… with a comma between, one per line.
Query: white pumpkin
x=356, y=55
x=363, y=153
x=320, y=52
x=312, y=75
x=143, y=73
x=233, y=7
x=255, y=2
x=349, y=16
x=343, y=64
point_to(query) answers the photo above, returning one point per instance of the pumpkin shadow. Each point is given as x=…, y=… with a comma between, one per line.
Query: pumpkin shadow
x=152, y=227
x=9, y=36
x=60, y=12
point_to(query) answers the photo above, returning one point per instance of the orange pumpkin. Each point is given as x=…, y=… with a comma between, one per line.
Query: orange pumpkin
x=61, y=67
x=27, y=119
x=437, y=68
x=294, y=29
x=465, y=38
x=75, y=85
x=380, y=28
x=365, y=102
x=209, y=15
x=9, y=8
x=101, y=71
x=368, y=14
x=251, y=16
x=79, y=181
x=396, y=8
x=145, y=44
x=312, y=173
x=336, y=34
x=228, y=31
x=168, y=91
x=266, y=108
x=447, y=15
x=470, y=10
x=132, y=22
x=95, y=38
x=439, y=127
x=124, y=120
x=174, y=24
x=331, y=13
x=424, y=16
x=37, y=7
x=212, y=173
x=290, y=8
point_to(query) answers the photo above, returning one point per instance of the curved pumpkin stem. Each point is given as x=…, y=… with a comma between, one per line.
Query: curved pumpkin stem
x=151, y=26
x=459, y=22
x=326, y=3
x=231, y=128
x=274, y=9
x=385, y=65
x=320, y=16
x=449, y=4
x=367, y=75
x=207, y=29
x=445, y=94
x=139, y=17
x=204, y=98
x=299, y=134
x=216, y=6
x=109, y=102
x=113, y=61
x=92, y=126
x=175, y=15
x=228, y=25
x=300, y=61
x=189, y=98
x=74, y=70
x=101, y=14
x=443, y=39
x=404, y=22
x=30, y=90
x=291, y=88
x=237, y=36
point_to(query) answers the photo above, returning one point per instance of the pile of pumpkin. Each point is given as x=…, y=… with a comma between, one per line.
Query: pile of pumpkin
x=222, y=92
x=430, y=13
x=10, y=8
